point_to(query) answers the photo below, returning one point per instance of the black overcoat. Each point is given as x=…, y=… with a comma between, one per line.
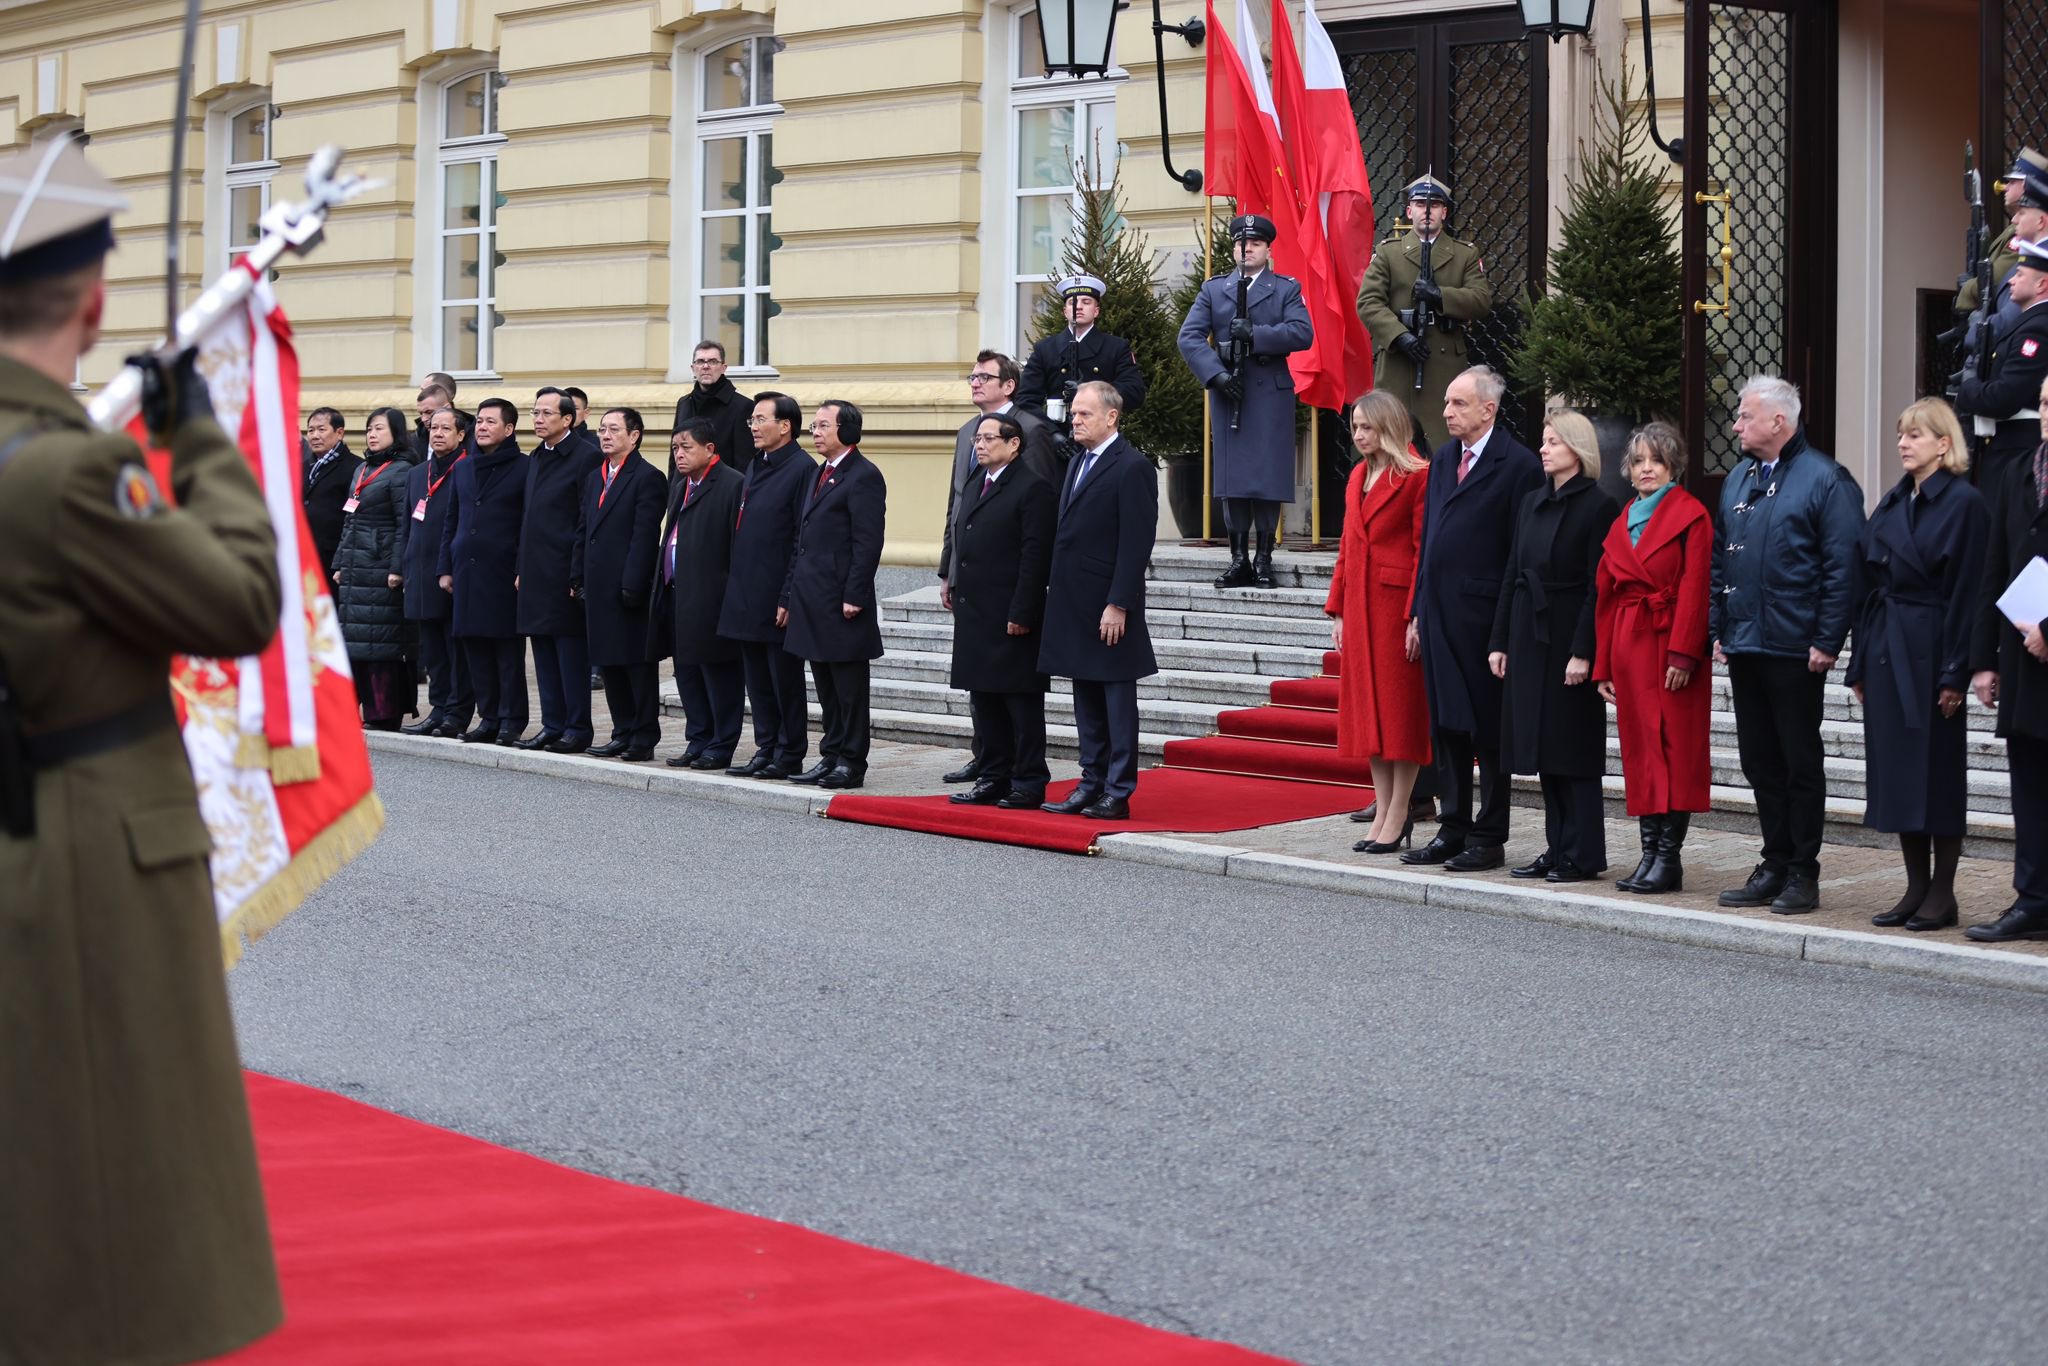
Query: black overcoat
x=1923, y=568
x=1059, y=359
x=683, y=620
x=1467, y=530
x=480, y=541
x=727, y=410
x=1543, y=621
x=764, y=538
x=2019, y=532
x=372, y=549
x=612, y=559
x=2019, y=362
x=1100, y=549
x=323, y=499
x=1002, y=556
x=838, y=548
x=547, y=539
x=427, y=483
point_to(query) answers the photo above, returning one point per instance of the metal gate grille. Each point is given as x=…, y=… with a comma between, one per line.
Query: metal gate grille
x=1382, y=88
x=1489, y=153
x=2025, y=52
x=1748, y=158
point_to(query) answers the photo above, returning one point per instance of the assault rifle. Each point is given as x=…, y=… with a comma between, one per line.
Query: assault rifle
x=1974, y=333
x=1238, y=353
x=1423, y=317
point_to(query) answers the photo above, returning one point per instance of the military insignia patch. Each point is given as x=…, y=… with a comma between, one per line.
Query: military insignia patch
x=136, y=495
x=2030, y=347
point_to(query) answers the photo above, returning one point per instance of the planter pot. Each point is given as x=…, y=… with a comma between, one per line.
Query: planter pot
x=1613, y=433
x=1184, y=497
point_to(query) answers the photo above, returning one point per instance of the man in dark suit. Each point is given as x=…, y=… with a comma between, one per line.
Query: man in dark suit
x=1095, y=601
x=1002, y=554
x=618, y=527
x=479, y=565
x=550, y=617
x=1076, y=354
x=330, y=473
x=990, y=385
x=2001, y=404
x=828, y=604
x=428, y=496
x=690, y=574
x=714, y=399
x=764, y=537
x=1476, y=482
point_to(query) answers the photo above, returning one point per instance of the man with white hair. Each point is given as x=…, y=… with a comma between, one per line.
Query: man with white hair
x=1784, y=591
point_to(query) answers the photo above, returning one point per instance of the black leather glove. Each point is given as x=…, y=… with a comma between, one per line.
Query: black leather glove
x=1413, y=347
x=631, y=600
x=1426, y=292
x=1228, y=385
x=1241, y=330
x=173, y=392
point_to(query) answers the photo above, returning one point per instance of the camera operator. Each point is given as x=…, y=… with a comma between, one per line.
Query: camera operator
x=1061, y=363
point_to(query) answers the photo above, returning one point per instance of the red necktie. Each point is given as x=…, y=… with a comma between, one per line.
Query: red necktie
x=988, y=481
x=1465, y=465
x=823, y=475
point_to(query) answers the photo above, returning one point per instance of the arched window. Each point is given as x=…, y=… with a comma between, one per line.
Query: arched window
x=465, y=233
x=240, y=137
x=734, y=177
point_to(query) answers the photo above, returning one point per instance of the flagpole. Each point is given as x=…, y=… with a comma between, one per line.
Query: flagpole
x=1315, y=483
x=1208, y=239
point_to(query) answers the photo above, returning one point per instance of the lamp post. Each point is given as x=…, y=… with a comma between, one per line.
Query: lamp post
x=1556, y=18
x=1079, y=39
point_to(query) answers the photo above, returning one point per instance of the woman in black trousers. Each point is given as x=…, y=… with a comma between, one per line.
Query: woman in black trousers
x=1922, y=559
x=1553, y=722
x=369, y=576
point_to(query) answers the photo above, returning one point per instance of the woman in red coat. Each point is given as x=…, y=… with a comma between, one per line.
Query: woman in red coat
x=1651, y=662
x=1382, y=715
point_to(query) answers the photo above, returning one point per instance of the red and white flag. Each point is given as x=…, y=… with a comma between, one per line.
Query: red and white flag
x=275, y=740
x=1238, y=154
x=1334, y=176
x=1319, y=377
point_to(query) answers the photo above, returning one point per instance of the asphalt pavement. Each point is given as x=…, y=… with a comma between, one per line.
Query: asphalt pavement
x=1325, y=1127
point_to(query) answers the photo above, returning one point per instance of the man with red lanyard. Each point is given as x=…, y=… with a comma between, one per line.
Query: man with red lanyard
x=451, y=700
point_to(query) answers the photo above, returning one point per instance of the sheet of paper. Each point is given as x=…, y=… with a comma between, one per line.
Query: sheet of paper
x=2026, y=597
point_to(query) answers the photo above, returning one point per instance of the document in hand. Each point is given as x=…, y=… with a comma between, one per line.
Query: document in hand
x=2025, y=601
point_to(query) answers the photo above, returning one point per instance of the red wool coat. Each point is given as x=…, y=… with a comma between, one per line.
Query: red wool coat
x=1652, y=615
x=1382, y=712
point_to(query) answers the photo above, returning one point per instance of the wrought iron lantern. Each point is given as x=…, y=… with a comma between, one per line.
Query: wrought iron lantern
x=1556, y=18
x=1079, y=39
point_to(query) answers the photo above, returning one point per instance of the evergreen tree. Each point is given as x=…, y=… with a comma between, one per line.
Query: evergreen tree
x=1608, y=336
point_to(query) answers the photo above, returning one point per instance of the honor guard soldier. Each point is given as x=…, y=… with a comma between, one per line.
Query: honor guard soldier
x=1241, y=358
x=132, y=1214
x=1420, y=292
x=2028, y=166
x=2001, y=404
x=1064, y=361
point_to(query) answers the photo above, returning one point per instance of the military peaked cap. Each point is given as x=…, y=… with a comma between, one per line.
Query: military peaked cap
x=1429, y=188
x=56, y=211
x=2028, y=164
x=1076, y=286
x=1253, y=227
x=2032, y=255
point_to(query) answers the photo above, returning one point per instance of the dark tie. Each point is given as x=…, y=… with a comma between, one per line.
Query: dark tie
x=2041, y=474
x=988, y=481
x=823, y=475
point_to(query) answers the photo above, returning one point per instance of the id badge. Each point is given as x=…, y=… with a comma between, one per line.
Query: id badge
x=350, y=505
x=419, y=511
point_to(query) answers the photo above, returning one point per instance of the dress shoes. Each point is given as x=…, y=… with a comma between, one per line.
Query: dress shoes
x=431, y=725
x=450, y=730
x=1477, y=858
x=1075, y=803
x=508, y=738
x=1762, y=889
x=985, y=792
x=1564, y=870
x=684, y=761
x=568, y=746
x=540, y=740
x=610, y=749
x=2014, y=924
x=1107, y=809
x=968, y=772
x=1367, y=814
x=1938, y=912
x=1801, y=894
x=841, y=778
x=638, y=754
x=1017, y=799
x=1539, y=866
x=1442, y=849
x=481, y=735
x=772, y=772
x=710, y=761
x=752, y=766
x=815, y=773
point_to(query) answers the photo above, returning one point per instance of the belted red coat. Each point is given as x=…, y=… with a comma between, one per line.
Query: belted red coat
x=1382, y=711
x=1651, y=616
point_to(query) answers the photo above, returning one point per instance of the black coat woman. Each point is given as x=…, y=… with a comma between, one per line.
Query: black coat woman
x=1922, y=556
x=369, y=576
x=1553, y=722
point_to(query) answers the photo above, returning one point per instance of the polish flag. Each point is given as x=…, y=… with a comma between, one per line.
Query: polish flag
x=1334, y=176
x=1238, y=153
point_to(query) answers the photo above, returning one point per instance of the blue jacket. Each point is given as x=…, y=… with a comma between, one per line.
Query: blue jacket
x=1785, y=556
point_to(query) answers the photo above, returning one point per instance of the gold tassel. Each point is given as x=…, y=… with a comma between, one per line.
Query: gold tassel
x=252, y=751
x=299, y=764
x=326, y=855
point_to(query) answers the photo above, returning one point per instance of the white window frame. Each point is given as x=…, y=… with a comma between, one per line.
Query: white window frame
x=1022, y=93
x=225, y=176
x=753, y=122
x=483, y=150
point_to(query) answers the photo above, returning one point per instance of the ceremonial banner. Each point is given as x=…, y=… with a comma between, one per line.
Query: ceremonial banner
x=275, y=739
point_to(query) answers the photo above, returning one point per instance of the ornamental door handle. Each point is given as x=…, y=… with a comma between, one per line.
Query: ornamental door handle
x=1726, y=200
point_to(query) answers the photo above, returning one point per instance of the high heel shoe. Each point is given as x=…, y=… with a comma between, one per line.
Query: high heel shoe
x=1374, y=847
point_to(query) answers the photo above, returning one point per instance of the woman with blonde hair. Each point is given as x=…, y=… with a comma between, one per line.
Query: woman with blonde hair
x=1382, y=715
x=1651, y=626
x=1922, y=557
x=1552, y=721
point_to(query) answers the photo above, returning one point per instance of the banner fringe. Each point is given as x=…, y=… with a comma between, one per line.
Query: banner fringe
x=299, y=764
x=251, y=751
x=350, y=833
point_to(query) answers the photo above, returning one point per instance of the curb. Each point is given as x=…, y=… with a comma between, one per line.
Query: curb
x=1987, y=967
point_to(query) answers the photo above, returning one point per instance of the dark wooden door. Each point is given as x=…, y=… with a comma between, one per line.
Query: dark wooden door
x=1759, y=129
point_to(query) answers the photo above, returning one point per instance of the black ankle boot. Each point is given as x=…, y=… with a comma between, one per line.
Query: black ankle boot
x=1667, y=870
x=1914, y=850
x=1262, y=565
x=1649, y=827
x=1239, y=574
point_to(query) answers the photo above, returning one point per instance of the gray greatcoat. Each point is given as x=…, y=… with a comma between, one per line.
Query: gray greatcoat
x=1256, y=460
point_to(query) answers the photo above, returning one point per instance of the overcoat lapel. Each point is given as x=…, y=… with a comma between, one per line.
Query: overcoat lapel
x=1489, y=463
x=1377, y=496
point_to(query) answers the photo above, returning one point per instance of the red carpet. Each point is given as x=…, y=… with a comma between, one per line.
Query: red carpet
x=1167, y=799
x=398, y=1242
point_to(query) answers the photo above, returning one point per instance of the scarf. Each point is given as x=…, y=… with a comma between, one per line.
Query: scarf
x=1640, y=510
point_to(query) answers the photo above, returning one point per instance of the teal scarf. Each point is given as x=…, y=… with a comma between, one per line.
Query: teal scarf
x=1640, y=510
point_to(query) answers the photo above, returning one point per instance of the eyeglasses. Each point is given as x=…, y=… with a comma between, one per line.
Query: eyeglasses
x=707, y=360
x=979, y=378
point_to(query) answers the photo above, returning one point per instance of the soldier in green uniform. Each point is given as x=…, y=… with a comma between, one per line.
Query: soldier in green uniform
x=2028, y=165
x=1458, y=295
x=132, y=1227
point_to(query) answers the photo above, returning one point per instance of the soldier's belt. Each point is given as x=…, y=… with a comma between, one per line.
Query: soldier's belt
x=1987, y=426
x=1407, y=317
x=50, y=748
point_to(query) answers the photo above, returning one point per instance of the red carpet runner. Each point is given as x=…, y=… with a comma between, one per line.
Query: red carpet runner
x=398, y=1242
x=1225, y=781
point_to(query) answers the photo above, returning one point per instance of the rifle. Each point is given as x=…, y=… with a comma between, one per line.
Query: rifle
x=1238, y=354
x=1421, y=314
x=1975, y=331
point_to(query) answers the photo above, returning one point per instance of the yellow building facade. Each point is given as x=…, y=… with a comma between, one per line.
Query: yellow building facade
x=853, y=197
